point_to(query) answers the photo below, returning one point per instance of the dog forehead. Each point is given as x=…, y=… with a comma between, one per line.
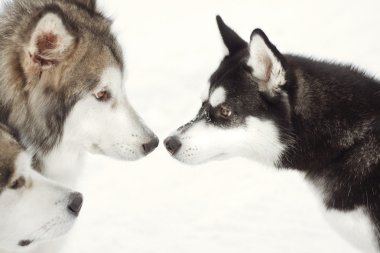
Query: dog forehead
x=229, y=65
x=111, y=73
x=111, y=78
x=230, y=80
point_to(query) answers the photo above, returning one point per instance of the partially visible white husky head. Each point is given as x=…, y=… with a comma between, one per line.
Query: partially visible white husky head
x=32, y=208
x=244, y=110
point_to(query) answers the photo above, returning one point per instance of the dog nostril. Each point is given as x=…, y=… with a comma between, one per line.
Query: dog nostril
x=150, y=146
x=75, y=204
x=172, y=144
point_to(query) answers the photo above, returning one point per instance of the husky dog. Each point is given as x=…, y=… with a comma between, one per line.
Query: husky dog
x=32, y=208
x=61, y=86
x=287, y=111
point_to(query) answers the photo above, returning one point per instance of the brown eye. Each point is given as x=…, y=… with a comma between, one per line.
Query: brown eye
x=103, y=95
x=225, y=112
x=20, y=182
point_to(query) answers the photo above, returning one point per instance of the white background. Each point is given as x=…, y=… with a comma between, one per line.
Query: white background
x=157, y=205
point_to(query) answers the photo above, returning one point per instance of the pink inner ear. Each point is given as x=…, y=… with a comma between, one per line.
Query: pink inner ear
x=46, y=41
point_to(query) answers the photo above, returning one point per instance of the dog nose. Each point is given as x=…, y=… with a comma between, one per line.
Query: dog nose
x=75, y=204
x=150, y=146
x=172, y=144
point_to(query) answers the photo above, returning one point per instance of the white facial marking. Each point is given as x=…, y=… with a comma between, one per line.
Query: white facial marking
x=265, y=139
x=217, y=97
x=267, y=69
x=258, y=140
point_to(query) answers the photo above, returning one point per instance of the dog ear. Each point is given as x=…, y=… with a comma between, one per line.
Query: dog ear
x=267, y=63
x=90, y=4
x=230, y=38
x=50, y=42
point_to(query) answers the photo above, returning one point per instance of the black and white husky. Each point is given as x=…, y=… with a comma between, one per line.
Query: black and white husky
x=320, y=118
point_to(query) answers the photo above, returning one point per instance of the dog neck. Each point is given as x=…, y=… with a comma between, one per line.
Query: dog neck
x=63, y=163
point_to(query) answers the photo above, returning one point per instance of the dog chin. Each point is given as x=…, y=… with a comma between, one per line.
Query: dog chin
x=52, y=233
x=117, y=154
x=199, y=160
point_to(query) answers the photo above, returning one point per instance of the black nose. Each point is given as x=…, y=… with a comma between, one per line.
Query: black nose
x=75, y=204
x=172, y=144
x=150, y=146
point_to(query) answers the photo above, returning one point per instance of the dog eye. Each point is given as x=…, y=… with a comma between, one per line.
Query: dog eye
x=20, y=182
x=225, y=112
x=103, y=95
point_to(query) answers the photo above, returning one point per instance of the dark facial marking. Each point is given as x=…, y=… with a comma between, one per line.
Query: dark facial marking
x=9, y=149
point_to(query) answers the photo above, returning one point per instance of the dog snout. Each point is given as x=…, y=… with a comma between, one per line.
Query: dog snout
x=172, y=144
x=151, y=145
x=75, y=203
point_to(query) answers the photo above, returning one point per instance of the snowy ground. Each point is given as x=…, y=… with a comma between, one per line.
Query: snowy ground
x=158, y=205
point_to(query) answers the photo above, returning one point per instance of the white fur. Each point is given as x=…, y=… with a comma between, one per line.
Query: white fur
x=354, y=226
x=38, y=211
x=217, y=97
x=110, y=128
x=203, y=142
x=267, y=69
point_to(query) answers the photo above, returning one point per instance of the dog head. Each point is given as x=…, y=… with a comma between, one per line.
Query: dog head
x=70, y=68
x=243, y=108
x=32, y=208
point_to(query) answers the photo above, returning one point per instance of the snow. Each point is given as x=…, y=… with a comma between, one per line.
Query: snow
x=159, y=205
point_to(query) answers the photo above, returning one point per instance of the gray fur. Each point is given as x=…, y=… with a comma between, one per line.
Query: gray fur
x=36, y=106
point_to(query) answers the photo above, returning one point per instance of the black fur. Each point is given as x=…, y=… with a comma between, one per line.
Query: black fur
x=335, y=118
x=231, y=39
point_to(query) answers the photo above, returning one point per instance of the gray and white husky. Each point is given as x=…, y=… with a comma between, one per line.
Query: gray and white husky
x=32, y=208
x=320, y=118
x=61, y=86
